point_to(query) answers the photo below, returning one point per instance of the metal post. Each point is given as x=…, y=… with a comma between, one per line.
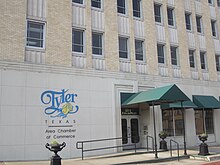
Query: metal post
x=155, y=134
x=82, y=150
x=184, y=133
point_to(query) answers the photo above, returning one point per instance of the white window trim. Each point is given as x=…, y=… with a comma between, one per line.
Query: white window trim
x=144, y=51
x=141, y=12
x=195, y=62
x=206, y=64
x=44, y=37
x=79, y=5
x=216, y=28
x=98, y=9
x=161, y=12
x=177, y=56
x=202, y=27
x=165, y=55
x=128, y=47
x=190, y=18
x=126, y=10
x=174, y=18
x=103, y=47
x=84, y=43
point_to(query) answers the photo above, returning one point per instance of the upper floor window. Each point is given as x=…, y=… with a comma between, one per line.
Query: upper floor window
x=199, y=24
x=123, y=47
x=160, y=53
x=213, y=26
x=203, y=60
x=188, y=21
x=96, y=3
x=137, y=8
x=218, y=3
x=192, y=59
x=35, y=34
x=121, y=5
x=78, y=1
x=157, y=13
x=170, y=16
x=174, y=58
x=217, y=60
x=211, y=2
x=97, y=43
x=78, y=40
x=139, y=50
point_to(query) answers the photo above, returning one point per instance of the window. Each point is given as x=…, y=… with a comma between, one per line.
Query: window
x=121, y=6
x=157, y=13
x=78, y=1
x=77, y=41
x=172, y=122
x=160, y=53
x=199, y=24
x=203, y=60
x=97, y=43
x=213, y=26
x=218, y=3
x=188, y=21
x=137, y=8
x=96, y=3
x=123, y=47
x=35, y=34
x=170, y=16
x=204, y=122
x=210, y=2
x=173, y=52
x=217, y=60
x=139, y=51
x=192, y=58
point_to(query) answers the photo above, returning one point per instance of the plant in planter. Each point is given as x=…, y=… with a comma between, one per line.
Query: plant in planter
x=203, y=147
x=163, y=143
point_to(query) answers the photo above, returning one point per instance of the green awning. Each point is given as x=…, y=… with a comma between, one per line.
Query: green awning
x=207, y=102
x=166, y=94
x=177, y=105
x=125, y=96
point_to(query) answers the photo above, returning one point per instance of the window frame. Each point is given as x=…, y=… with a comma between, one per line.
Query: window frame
x=159, y=45
x=200, y=26
x=98, y=2
x=211, y=2
x=102, y=44
x=83, y=42
x=143, y=50
x=158, y=16
x=203, y=60
x=190, y=21
x=123, y=51
x=176, y=59
x=171, y=19
x=125, y=7
x=79, y=2
x=140, y=16
x=217, y=62
x=218, y=3
x=43, y=39
x=214, y=28
x=194, y=59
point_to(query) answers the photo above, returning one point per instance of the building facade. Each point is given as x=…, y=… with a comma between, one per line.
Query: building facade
x=64, y=66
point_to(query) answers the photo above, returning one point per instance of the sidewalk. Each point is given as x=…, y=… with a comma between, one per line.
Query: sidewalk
x=126, y=158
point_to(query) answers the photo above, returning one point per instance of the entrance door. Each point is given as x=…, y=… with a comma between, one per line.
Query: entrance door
x=130, y=130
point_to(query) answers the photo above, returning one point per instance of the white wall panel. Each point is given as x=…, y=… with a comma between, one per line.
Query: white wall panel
x=36, y=8
x=191, y=40
x=170, y=2
x=125, y=66
x=139, y=28
x=79, y=61
x=198, y=7
x=202, y=42
x=187, y=5
x=98, y=63
x=163, y=70
x=173, y=36
x=212, y=12
x=217, y=46
x=160, y=33
x=78, y=16
x=33, y=56
x=218, y=77
x=123, y=25
x=141, y=68
x=176, y=72
x=97, y=20
x=205, y=76
x=195, y=75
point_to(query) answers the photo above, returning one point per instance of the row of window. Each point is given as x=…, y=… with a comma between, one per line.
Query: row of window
x=173, y=122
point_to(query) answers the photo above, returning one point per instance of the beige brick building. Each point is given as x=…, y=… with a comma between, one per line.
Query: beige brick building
x=100, y=49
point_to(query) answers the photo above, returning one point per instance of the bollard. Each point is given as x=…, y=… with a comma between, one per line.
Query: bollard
x=55, y=147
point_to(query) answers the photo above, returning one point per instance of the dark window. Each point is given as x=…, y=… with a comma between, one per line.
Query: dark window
x=170, y=16
x=35, y=34
x=137, y=8
x=77, y=40
x=188, y=21
x=191, y=59
x=78, y=1
x=172, y=122
x=218, y=3
x=173, y=51
x=160, y=53
x=97, y=43
x=203, y=60
x=96, y=3
x=139, y=53
x=210, y=2
x=204, y=122
x=199, y=24
x=217, y=60
x=213, y=26
x=121, y=6
x=123, y=47
x=157, y=13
